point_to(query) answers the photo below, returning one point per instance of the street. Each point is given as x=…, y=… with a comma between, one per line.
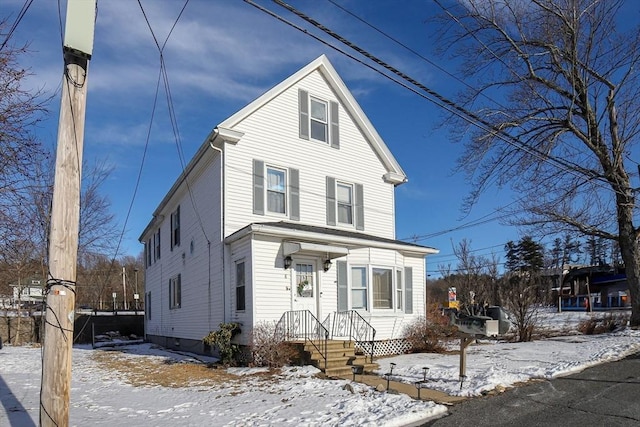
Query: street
x=605, y=395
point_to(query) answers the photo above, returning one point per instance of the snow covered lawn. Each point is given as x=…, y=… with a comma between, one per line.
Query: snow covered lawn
x=143, y=385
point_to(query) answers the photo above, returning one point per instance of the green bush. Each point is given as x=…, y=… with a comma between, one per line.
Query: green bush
x=221, y=340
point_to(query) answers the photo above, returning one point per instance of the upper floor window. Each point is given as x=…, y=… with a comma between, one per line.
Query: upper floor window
x=149, y=251
x=156, y=238
x=345, y=203
x=319, y=122
x=175, y=228
x=318, y=119
x=276, y=190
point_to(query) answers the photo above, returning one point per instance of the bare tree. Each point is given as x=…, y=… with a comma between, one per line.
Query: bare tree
x=519, y=294
x=558, y=97
x=20, y=112
x=475, y=278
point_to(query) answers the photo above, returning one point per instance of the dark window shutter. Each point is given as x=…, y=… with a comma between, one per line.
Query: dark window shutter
x=359, y=206
x=343, y=289
x=172, y=228
x=303, y=108
x=294, y=194
x=258, y=187
x=408, y=290
x=331, y=201
x=333, y=117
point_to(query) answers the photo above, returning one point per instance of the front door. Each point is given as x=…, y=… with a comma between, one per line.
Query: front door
x=305, y=286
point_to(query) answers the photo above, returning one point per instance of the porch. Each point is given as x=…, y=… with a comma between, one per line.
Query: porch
x=342, y=342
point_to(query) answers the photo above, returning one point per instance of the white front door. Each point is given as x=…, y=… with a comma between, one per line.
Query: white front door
x=305, y=286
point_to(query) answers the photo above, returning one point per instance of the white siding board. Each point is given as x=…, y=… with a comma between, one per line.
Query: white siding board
x=196, y=316
x=272, y=283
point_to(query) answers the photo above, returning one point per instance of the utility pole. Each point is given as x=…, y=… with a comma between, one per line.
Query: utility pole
x=65, y=213
x=124, y=288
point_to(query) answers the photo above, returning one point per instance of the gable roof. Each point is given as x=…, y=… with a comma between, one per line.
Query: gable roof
x=395, y=174
x=224, y=132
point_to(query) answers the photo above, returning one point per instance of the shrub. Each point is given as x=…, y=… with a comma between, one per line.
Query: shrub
x=221, y=340
x=601, y=325
x=428, y=334
x=268, y=350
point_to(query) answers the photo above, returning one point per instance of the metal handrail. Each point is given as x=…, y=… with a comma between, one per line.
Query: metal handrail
x=351, y=324
x=302, y=324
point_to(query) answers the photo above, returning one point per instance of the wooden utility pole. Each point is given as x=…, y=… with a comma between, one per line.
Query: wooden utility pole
x=65, y=216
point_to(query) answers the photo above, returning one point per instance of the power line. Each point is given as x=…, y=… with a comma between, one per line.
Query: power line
x=443, y=102
x=23, y=11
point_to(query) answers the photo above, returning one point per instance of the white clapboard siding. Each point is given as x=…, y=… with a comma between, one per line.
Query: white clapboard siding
x=240, y=251
x=271, y=134
x=197, y=259
x=271, y=283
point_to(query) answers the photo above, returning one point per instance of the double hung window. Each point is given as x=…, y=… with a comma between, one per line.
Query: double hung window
x=175, y=292
x=175, y=228
x=319, y=122
x=240, y=286
x=276, y=190
x=359, y=297
x=345, y=203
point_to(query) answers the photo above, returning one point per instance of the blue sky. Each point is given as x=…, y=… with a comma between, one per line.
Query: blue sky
x=223, y=54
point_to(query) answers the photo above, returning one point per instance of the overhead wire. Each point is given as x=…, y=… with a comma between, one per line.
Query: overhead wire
x=439, y=100
x=23, y=11
x=456, y=109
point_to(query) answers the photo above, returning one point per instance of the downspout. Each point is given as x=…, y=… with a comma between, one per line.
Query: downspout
x=222, y=248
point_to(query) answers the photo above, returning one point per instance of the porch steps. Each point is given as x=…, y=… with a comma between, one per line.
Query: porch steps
x=341, y=357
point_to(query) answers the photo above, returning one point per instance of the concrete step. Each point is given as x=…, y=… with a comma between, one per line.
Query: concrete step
x=337, y=362
x=332, y=353
x=331, y=344
x=347, y=371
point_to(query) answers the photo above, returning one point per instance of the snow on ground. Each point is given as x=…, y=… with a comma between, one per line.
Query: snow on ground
x=296, y=396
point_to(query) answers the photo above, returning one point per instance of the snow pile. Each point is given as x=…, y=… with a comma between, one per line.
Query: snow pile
x=296, y=396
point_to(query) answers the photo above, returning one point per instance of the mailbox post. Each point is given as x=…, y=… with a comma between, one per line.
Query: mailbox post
x=496, y=323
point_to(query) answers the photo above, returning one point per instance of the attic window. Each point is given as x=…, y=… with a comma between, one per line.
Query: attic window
x=318, y=119
x=319, y=123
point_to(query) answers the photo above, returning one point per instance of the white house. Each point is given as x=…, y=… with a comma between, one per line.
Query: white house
x=286, y=213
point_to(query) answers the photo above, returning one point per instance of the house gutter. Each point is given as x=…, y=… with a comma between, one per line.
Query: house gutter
x=217, y=139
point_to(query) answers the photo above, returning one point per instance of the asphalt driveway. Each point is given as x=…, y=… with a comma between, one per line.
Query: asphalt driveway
x=605, y=395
